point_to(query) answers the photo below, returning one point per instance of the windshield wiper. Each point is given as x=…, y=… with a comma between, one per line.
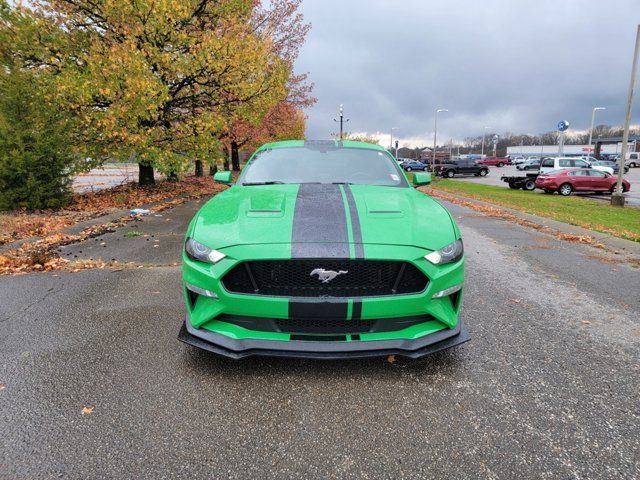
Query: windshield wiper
x=271, y=182
x=342, y=183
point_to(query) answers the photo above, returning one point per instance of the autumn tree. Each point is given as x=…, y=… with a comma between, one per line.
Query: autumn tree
x=157, y=78
x=280, y=24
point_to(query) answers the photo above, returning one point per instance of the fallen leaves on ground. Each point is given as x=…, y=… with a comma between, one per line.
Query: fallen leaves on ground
x=2, y=386
x=586, y=322
x=19, y=225
x=41, y=255
x=503, y=214
x=391, y=358
x=86, y=410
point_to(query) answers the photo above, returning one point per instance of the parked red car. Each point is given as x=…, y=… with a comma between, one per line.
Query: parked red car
x=494, y=161
x=578, y=180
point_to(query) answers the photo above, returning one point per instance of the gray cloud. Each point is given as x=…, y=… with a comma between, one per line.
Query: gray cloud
x=515, y=65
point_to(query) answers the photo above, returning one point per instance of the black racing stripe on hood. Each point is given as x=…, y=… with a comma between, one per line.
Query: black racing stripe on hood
x=319, y=223
x=355, y=223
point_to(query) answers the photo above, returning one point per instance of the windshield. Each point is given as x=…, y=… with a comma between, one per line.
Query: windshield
x=315, y=165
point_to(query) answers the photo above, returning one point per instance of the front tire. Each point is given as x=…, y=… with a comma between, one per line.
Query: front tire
x=484, y=172
x=450, y=173
x=408, y=169
x=529, y=185
x=566, y=189
x=633, y=165
x=500, y=165
x=512, y=185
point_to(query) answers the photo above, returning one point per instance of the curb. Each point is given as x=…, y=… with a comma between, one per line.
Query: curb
x=610, y=241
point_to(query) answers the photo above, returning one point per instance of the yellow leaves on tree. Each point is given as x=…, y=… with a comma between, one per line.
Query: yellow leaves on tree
x=162, y=79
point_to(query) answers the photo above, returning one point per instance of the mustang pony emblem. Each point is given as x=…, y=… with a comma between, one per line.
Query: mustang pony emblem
x=325, y=276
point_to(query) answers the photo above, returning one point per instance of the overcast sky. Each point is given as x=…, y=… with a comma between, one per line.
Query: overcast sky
x=514, y=65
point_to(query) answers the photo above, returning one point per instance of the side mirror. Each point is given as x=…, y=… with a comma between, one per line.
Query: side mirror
x=222, y=177
x=421, y=178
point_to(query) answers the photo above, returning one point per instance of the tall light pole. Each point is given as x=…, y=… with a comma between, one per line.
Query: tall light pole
x=484, y=133
x=342, y=121
x=593, y=119
x=435, y=134
x=391, y=141
x=617, y=198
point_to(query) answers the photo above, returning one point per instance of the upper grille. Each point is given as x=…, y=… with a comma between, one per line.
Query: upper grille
x=292, y=278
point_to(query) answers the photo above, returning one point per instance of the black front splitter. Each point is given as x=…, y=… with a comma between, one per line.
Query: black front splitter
x=321, y=350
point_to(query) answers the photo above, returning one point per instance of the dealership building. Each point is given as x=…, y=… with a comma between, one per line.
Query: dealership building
x=601, y=145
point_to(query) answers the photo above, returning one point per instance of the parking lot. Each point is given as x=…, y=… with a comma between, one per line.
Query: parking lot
x=95, y=384
x=633, y=177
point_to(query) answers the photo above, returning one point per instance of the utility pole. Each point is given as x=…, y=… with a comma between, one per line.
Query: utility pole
x=342, y=122
x=484, y=133
x=593, y=119
x=391, y=141
x=617, y=199
x=435, y=134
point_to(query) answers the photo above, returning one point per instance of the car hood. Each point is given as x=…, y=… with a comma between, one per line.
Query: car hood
x=315, y=213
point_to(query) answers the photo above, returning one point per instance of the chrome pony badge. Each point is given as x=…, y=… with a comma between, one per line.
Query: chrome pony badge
x=325, y=276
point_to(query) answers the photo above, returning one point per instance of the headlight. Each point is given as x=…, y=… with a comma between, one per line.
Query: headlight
x=197, y=251
x=449, y=254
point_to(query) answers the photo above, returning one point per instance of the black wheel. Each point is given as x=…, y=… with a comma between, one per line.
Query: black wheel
x=565, y=189
x=408, y=169
x=484, y=172
x=500, y=165
x=529, y=185
x=613, y=188
x=633, y=165
x=512, y=185
x=450, y=173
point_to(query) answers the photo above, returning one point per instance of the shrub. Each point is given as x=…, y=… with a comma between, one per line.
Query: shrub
x=36, y=161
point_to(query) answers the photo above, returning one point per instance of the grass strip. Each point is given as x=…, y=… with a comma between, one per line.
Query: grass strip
x=582, y=212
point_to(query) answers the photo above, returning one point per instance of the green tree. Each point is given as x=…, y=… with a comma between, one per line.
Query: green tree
x=157, y=78
x=36, y=161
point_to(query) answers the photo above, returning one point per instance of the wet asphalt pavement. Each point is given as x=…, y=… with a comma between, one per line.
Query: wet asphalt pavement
x=547, y=388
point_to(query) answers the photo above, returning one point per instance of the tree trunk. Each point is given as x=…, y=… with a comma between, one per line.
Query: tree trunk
x=145, y=174
x=199, y=170
x=235, y=157
x=213, y=169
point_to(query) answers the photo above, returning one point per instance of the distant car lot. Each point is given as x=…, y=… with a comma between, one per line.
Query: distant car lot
x=633, y=177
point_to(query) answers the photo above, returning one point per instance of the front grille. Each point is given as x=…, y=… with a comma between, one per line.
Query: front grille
x=292, y=278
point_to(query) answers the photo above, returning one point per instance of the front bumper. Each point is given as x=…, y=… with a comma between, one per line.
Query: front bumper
x=325, y=350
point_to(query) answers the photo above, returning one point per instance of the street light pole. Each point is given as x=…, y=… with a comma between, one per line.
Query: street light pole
x=593, y=119
x=342, y=122
x=391, y=141
x=617, y=198
x=435, y=134
x=484, y=133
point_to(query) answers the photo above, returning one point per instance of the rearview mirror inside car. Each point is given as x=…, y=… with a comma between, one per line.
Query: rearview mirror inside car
x=222, y=177
x=421, y=179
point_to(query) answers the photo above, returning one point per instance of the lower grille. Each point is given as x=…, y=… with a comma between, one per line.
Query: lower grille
x=323, y=326
x=309, y=278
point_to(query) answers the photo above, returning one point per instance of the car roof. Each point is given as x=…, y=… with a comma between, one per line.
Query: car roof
x=327, y=143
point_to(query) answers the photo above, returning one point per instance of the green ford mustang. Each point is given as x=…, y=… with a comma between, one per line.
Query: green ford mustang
x=323, y=250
